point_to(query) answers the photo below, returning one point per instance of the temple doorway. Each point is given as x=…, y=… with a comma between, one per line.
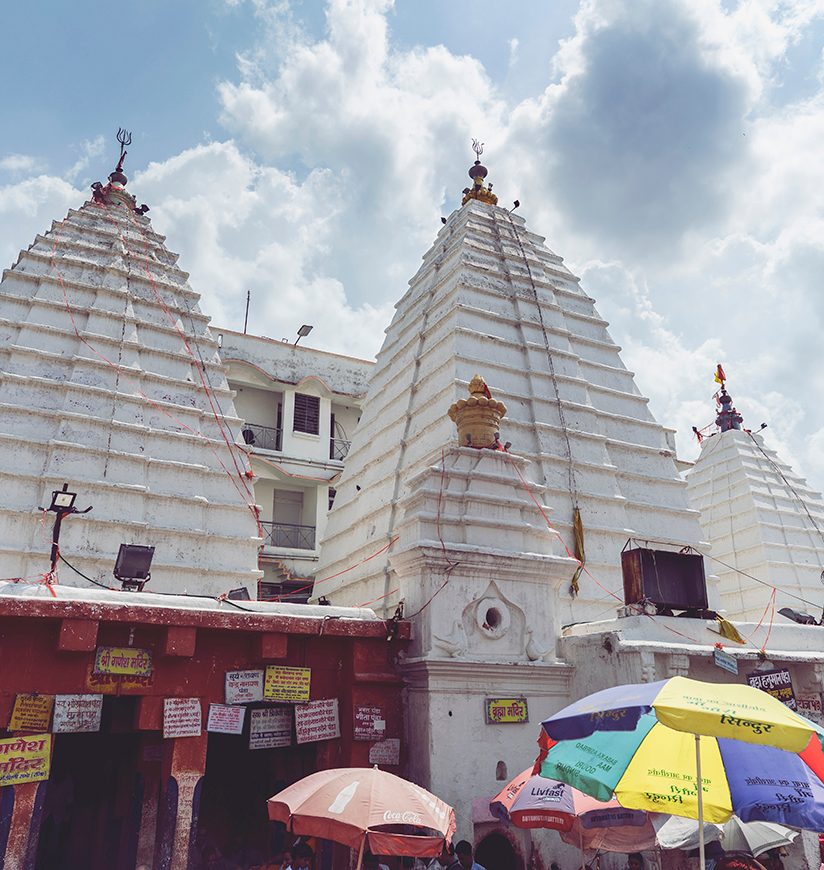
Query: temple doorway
x=91, y=811
x=496, y=852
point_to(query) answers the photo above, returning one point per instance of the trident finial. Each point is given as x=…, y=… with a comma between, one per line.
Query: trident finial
x=124, y=137
x=478, y=148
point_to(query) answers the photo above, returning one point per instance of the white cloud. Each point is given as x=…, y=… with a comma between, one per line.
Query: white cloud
x=20, y=163
x=660, y=157
x=89, y=149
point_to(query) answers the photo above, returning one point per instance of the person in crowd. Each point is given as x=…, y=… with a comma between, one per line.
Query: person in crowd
x=635, y=861
x=302, y=857
x=370, y=862
x=463, y=851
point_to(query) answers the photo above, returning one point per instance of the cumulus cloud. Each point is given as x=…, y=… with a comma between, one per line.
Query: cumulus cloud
x=672, y=156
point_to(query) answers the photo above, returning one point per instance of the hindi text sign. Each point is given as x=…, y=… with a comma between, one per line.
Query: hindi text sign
x=317, y=720
x=386, y=752
x=286, y=684
x=725, y=661
x=370, y=722
x=31, y=713
x=225, y=719
x=117, y=684
x=810, y=707
x=504, y=711
x=122, y=660
x=24, y=759
x=270, y=727
x=777, y=683
x=244, y=687
x=74, y=713
x=182, y=717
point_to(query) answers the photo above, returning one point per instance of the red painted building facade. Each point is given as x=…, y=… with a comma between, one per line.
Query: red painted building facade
x=124, y=796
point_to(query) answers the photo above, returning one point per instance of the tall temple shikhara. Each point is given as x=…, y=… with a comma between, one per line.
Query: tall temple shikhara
x=111, y=381
x=764, y=523
x=491, y=298
x=474, y=531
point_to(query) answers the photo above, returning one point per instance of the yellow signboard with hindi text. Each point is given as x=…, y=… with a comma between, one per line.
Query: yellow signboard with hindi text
x=31, y=713
x=286, y=684
x=24, y=759
x=505, y=711
x=122, y=660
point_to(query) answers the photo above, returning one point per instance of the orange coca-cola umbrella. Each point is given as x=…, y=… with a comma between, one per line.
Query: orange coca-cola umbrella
x=363, y=806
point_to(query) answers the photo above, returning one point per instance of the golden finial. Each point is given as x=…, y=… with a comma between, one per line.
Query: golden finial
x=478, y=173
x=478, y=418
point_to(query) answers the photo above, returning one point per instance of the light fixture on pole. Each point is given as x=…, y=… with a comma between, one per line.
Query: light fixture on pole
x=133, y=565
x=303, y=332
x=62, y=505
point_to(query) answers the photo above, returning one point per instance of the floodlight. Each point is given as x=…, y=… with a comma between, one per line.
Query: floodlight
x=62, y=499
x=303, y=332
x=133, y=565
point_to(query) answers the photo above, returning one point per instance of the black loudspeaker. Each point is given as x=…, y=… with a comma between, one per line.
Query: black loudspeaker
x=674, y=581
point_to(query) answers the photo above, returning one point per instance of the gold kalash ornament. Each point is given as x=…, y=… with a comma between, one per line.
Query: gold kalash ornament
x=478, y=418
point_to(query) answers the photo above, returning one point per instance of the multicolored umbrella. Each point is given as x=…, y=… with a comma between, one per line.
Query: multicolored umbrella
x=532, y=801
x=361, y=806
x=649, y=744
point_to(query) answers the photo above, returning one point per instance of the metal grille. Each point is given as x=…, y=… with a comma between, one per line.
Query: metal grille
x=288, y=536
x=338, y=448
x=263, y=437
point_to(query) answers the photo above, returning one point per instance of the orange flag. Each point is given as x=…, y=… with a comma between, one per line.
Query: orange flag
x=720, y=377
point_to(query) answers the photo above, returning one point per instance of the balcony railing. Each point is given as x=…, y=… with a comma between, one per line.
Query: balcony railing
x=263, y=437
x=288, y=536
x=338, y=448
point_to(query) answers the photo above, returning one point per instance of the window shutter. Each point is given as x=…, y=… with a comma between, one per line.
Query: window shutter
x=307, y=414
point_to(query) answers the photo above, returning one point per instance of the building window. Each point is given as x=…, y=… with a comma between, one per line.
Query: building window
x=332, y=493
x=307, y=414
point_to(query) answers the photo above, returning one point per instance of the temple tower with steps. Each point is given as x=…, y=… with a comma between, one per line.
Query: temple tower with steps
x=110, y=381
x=765, y=524
x=477, y=543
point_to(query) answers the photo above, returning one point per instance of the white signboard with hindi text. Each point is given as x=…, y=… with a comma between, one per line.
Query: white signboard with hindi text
x=182, y=717
x=225, y=719
x=244, y=687
x=317, y=720
x=73, y=713
x=386, y=752
x=270, y=728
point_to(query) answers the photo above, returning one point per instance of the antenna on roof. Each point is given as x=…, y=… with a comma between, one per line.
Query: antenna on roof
x=246, y=318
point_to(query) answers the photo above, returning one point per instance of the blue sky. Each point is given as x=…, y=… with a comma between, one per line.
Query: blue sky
x=668, y=149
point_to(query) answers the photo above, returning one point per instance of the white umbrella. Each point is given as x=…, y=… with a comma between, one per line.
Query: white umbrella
x=755, y=837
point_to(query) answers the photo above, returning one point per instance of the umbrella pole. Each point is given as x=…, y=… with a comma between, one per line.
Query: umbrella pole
x=700, y=793
x=360, y=853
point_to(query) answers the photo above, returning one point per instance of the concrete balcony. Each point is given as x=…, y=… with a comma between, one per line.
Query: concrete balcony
x=288, y=537
x=262, y=437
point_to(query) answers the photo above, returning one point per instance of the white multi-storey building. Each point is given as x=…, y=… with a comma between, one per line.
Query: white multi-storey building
x=299, y=408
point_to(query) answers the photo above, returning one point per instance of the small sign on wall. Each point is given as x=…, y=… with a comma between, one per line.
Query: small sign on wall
x=317, y=720
x=31, y=713
x=225, y=719
x=244, y=687
x=810, y=706
x=506, y=711
x=725, y=661
x=270, y=728
x=182, y=717
x=777, y=683
x=386, y=752
x=75, y=713
x=122, y=660
x=287, y=684
x=369, y=722
x=25, y=759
